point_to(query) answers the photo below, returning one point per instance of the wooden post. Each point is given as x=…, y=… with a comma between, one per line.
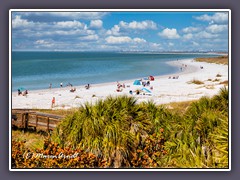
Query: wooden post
x=36, y=122
x=47, y=124
x=26, y=121
x=22, y=120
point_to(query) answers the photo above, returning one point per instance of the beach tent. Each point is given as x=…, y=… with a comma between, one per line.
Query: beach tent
x=146, y=90
x=22, y=88
x=136, y=82
x=151, y=78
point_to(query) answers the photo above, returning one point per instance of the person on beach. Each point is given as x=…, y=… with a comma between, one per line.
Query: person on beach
x=19, y=92
x=25, y=93
x=148, y=83
x=61, y=84
x=53, y=102
x=87, y=86
x=50, y=86
x=118, y=84
x=72, y=89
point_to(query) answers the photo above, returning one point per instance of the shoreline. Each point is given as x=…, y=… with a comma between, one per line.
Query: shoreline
x=164, y=91
x=171, y=63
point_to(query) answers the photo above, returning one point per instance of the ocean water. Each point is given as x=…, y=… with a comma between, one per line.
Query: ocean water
x=36, y=70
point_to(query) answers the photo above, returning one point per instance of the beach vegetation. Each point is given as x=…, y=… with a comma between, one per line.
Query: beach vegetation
x=224, y=83
x=179, y=107
x=217, y=60
x=118, y=132
x=31, y=140
x=209, y=87
x=195, y=81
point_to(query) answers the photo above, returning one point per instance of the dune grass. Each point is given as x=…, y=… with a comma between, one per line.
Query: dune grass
x=179, y=107
x=224, y=83
x=217, y=60
x=195, y=81
x=32, y=140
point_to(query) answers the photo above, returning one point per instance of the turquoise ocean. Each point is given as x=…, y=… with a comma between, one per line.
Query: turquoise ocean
x=36, y=70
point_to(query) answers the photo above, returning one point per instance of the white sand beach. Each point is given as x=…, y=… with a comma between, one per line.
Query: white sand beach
x=164, y=90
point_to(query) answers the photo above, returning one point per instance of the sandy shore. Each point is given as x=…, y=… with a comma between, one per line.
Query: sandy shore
x=165, y=90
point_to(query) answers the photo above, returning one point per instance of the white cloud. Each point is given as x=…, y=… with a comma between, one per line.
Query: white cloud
x=66, y=33
x=118, y=40
x=171, y=44
x=93, y=37
x=205, y=35
x=217, y=28
x=188, y=36
x=43, y=43
x=169, y=33
x=190, y=29
x=147, y=24
x=96, y=24
x=155, y=45
x=139, y=40
x=114, y=31
x=69, y=24
x=219, y=17
x=19, y=22
x=123, y=39
x=40, y=42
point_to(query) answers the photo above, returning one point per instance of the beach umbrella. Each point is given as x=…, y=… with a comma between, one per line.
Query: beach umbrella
x=146, y=90
x=136, y=82
x=151, y=78
x=22, y=88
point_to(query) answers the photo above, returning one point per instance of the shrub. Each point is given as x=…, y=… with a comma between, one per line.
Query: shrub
x=195, y=81
x=53, y=156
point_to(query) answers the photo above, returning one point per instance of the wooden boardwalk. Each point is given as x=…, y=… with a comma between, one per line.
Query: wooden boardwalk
x=27, y=119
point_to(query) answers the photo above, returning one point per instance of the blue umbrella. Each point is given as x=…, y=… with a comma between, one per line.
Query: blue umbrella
x=147, y=90
x=136, y=82
x=22, y=88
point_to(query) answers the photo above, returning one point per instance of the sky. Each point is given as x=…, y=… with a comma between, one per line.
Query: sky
x=119, y=31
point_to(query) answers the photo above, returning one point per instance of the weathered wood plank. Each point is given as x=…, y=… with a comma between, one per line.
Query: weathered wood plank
x=27, y=118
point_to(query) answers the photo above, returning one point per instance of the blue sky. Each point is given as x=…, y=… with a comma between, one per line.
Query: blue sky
x=120, y=31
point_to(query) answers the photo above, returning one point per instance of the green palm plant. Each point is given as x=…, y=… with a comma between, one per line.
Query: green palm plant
x=220, y=144
x=200, y=138
x=113, y=128
x=110, y=129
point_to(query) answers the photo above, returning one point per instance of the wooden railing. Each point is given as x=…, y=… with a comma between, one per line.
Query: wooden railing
x=27, y=119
